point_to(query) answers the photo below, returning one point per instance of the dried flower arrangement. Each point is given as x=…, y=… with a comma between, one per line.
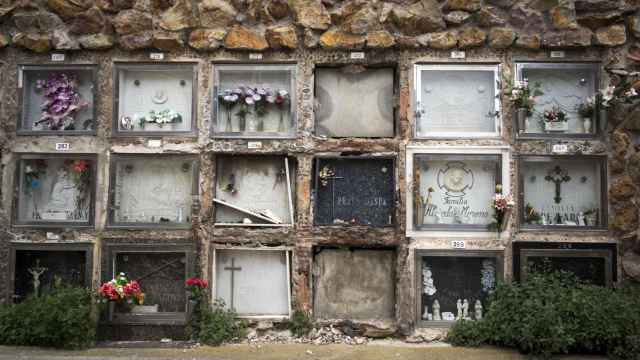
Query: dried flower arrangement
x=62, y=102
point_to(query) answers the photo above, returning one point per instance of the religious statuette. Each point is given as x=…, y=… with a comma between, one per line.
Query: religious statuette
x=478, y=310
x=581, y=219
x=426, y=315
x=459, y=309
x=36, y=272
x=436, y=311
x=465, y=309
x=427, y=281
x=488, y=276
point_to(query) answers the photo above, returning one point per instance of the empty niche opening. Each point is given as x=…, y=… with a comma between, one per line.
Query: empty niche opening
x=355, y=101
x=354, y=284
x=254, y=191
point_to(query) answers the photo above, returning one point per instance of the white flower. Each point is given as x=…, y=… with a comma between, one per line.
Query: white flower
x=249, y=100
x=256, y=97
x=283, y=92
x=631, y=92
x=262, y=92
x=270, y=99
x=28, y=169
x=234, y=97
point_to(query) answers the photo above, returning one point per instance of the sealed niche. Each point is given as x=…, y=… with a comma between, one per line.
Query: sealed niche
x=243, y=274
x=455, y=285
x=39, y=269
x=593, y=263
x=563, y=192
x=355, y=101
x=254, y=101
x=354, y=284
x=568, y=89
x=355, y=191
x=161, y=276
x=155, y=98
x=57, y=99
x=153, y=190
x=254, y=191
x=55, y=190
x=457, y=100
x=455, y=191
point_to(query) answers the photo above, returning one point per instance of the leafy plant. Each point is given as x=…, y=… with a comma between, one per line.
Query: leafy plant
x=467, y=333
x=219, y=325
x=300, y=323
x=61, y=319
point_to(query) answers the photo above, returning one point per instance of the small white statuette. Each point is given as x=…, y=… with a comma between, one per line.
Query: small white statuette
x=448, y=316
x=581, y=219
x=160, y=97
x=478, y=310
x=426, y=315
x=459, y=309
x=427, y=281
x=126, y=123
x=436, y=311
x=465, y=309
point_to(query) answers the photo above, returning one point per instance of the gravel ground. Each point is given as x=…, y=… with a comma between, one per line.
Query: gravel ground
x=383, y=350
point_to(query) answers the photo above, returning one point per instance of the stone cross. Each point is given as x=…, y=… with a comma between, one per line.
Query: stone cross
x=233, y=269
x=557, y=176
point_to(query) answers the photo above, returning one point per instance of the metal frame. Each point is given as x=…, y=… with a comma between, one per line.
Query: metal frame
x=289, y=254
x=22, y=68
x=496, y=68
x=396, y=84
x=316, y=171
x=466, y=151
x=604, y=216
x=217, y=67
x=115, y=158
x=595, y=67
x=150, y=66
x=17, y=186
x=14, y=247
x=290, y=186
x=420, y=253
x=110, y=253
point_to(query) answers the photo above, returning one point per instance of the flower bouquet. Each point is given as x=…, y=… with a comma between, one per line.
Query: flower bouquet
x=195, y=286
x=62, y=101
x=122, y=292
x=523, y=97
x=261, y=98
x=555, y=120
x=586, y=110
x=161, y=117
x=501, y=205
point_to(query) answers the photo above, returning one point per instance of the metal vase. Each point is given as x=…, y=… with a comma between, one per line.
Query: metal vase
x=521, y=119
x=111, y=309
x=603, y=118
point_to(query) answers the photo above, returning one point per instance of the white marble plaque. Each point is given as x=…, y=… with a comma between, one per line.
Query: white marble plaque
x=33, y=99
x=456, y=101
x=156, y=191
x=55, y=190
x=253, y=282
x=273, y=119
x=254, y=184
x=461, y=187
x=562, y=188
x=354, y=104
x=564, y=88
x=144, y=90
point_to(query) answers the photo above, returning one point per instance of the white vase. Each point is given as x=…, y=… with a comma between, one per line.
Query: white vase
x=586, y=124
x=252, y=124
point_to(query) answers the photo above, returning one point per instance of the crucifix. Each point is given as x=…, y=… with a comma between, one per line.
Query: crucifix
x=36, y=272
x=233, y=269
x=557, y=176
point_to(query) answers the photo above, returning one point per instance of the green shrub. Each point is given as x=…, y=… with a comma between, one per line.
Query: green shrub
x=300, y=323
x=553, y=313
x=219, y=325
x=61, y=319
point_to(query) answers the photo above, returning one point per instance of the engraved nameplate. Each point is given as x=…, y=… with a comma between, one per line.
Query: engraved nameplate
x=57, y=57
x=63, y=146
x=458, y=244
x=254, y=145
x=255, y=56
x=356, y=55
x=458, y=54
x=557, y=54
x=156, y=56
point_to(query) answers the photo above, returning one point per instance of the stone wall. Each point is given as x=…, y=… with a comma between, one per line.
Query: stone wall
x=311, y=33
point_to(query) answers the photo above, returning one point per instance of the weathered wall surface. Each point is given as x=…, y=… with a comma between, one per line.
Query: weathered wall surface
x=311, y=33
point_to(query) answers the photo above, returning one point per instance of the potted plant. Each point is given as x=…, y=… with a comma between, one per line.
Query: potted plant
x=122, y=293
x=523, y=97
x=555, y=120
x=586, y=111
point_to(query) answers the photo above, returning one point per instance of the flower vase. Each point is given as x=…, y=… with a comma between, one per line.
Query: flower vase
x=252, y=125
x=281, y=123
x=586, y=124
x=228, y=127
x=522, y=119
x=603, y=117
x=111, y=309
x=261, y=123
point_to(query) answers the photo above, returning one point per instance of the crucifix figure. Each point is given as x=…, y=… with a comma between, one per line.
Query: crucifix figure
x=233, y=269
x=557, y=176
x=36, y=272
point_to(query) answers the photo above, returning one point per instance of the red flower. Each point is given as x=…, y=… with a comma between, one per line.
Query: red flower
x=80, y=166
x=197, y=282
x=108, y=291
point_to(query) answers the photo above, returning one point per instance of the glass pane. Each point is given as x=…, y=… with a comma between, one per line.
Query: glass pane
x=588, y=269
x=253, y=190
x=156, y=191
x=161, y=277
x=354, y=104
x=152, y=99
x=565, y=89
x=456, y=101
x=562, y=192
x=57, y=100
x=456, y=190
x=37, y=271
x=55, y=190
x=254, y=101
x=243, y=274
x=456, y=287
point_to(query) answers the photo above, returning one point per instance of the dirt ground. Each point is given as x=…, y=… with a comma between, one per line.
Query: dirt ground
x=382, y=351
